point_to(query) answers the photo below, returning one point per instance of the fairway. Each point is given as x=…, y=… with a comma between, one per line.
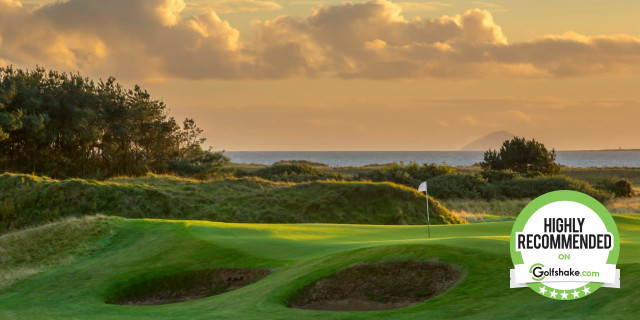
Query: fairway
x=299, y=254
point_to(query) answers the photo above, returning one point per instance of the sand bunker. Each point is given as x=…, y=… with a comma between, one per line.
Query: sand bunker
x=378, y=286
x=189, y=285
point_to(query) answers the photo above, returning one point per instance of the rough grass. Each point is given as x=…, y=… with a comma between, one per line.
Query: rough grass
x=28, y=200
x=626, y=205
x=478, y=210
x=31, y=251
x=597, y=174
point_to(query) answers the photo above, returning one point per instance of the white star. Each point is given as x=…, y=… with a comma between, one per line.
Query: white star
x=543, y=290
x=564, y=295
x=586, y=290
x=553, y=293
x=576, y=293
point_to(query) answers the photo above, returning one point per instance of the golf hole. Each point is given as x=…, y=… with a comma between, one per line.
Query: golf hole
x=187, y=286
x=378, y=286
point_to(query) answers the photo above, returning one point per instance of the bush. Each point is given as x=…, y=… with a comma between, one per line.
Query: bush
x=476, y=187
x=302, y=162
x=461, y=186
x=522, y=156
x=205, y=165
x=620, y=187
x=531, y=188
x=410, y=175
x=498, y=175
x=292, y=172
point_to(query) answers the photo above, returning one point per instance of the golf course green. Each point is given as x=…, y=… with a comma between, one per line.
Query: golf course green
x=121, y=253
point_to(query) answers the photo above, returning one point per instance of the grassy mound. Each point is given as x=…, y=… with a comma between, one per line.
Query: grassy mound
x=30, y=251
x=28, y=200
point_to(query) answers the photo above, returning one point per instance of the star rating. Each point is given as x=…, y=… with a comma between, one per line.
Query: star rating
x=576, y=293
x=543, y=290
x=564, y=295
x=553, y=293
x=586, y=290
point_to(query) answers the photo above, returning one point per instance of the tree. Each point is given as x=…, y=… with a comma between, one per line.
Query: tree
x=63, y=125
x=522, y=156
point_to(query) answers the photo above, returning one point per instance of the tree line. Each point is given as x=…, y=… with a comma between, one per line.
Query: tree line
x=65, y=125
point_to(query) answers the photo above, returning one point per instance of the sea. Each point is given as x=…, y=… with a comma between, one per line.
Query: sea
x=614, y=158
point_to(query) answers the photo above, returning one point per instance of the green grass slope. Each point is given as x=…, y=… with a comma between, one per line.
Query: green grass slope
x=27, y=200
x=298, y=255
x=30, y=251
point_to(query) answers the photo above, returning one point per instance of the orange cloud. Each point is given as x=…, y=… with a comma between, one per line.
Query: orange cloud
x=151, y=39
x=232, y=6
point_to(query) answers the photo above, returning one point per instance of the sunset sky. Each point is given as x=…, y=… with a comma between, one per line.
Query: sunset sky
x=365, y=75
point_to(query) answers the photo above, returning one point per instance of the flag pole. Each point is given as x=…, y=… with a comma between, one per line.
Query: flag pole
x=426, y=196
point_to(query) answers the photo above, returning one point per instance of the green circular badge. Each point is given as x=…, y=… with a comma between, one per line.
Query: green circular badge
x=565, y=246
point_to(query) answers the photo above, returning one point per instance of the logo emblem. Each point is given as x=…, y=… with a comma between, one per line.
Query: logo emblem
x=565, y=246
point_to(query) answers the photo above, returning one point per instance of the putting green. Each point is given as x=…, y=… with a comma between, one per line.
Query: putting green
x=298, y=255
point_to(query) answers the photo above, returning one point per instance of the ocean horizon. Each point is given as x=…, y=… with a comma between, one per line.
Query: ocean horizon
x=574, y=158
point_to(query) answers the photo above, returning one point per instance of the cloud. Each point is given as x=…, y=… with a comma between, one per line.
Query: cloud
x=493, y=7
x=442, y=123
x=422, y=6
x=232, y=6
x=468, y=120
x=152, y=39
x=520, y=116
x=130, y=38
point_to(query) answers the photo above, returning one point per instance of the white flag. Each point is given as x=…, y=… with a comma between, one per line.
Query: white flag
x=423, y=187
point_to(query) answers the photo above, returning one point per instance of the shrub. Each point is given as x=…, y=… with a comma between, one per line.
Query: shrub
x=498, y=175
x=461, y=186
x=302, y=162
x=410, y=175
x=293, y=172
x=531, y=188
x=205, y=164
x=522, y=156
x=620, y=187
x=475, y=187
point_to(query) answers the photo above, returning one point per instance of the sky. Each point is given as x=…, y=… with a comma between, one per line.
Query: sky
x=360, y=75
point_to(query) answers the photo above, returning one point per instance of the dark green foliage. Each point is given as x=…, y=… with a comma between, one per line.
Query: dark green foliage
x=476, y=187
x=302, y=162
x=63, y=125
x=410, y=175
x=292, y=172
x=461, y=186
x=531, y=188
x=200, y=164
x=522, y=156
x=495, y=175
x=28, y=200
x=620, y=187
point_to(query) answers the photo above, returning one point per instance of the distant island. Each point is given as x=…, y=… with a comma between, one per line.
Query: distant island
x=491, y=141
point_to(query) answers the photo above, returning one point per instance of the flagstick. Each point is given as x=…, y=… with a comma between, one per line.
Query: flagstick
x=426, y=196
